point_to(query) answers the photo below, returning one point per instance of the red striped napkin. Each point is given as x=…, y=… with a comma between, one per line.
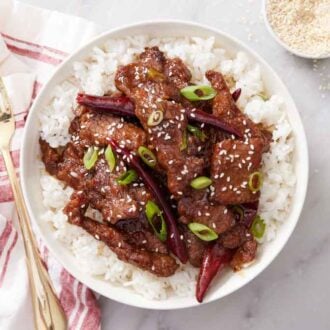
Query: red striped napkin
x=32, y=43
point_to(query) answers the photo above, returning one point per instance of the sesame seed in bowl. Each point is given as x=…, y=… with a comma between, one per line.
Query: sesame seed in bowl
x=300, y=26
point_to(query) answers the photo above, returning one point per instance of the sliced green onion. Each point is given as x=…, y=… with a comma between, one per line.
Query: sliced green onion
x=201, y=182
x=203, y=232
x=258, y=227
x=197, y=132
x=255, y=181
x=239, y=211
x=155, y=118
x=110, y=158
x=192, y=93
x=184, y=142
x=127, y=177
x=90, y=157
x=153, y=213
x=154, y=74
x=147, y=156
x=263, y=96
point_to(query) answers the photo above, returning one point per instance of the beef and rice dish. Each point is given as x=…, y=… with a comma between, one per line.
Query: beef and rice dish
x=173, y=167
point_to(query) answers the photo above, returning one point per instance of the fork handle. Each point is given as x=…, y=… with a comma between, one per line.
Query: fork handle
x=48, y=313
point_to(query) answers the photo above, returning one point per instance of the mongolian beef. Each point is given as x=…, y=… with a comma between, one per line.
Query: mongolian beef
x=174, y=169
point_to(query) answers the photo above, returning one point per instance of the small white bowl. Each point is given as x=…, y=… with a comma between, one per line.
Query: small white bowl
x=229, y=281
x=283, y=44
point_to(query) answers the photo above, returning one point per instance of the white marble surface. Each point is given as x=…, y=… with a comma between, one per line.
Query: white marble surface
x=294, y=292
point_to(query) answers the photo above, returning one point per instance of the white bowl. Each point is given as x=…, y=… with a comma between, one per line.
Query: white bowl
x=230, y=281
x=282, y=43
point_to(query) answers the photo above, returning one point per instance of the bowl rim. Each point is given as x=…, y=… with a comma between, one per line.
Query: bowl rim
x=154, y=304
x=281, y=42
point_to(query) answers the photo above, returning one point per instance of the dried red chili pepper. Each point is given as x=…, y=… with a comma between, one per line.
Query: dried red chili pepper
x=122, y=105
x=216, y=257
x=236, y=94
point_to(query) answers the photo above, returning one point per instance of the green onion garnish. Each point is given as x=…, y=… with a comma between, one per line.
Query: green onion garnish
x=197, y=132
x=127, y=177
x=153, y=213
x=184, y=142
x=154, y=74
x=201, y=182
x=147, y=156
x=110, y=158
x=239, y=211
x=155, y=118
x=263, y=96
x=198, y=93
x=90, y=157
x=258, y=227
x=203, y=232
x=255, y=181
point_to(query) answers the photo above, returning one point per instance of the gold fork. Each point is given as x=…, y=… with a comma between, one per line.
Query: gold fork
x=48, y=313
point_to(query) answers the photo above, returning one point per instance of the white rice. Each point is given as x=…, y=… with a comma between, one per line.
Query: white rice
x=95, y=75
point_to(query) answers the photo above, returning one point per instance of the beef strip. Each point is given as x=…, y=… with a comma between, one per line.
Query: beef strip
x=195, y=247
x=151, y=92
x=232, y=163
x=235, y=237
x=116, y=201
x=97, y=128
x=157, y=263
x=215, y=216
x=225, y=108
x=177, y=72
x=50, y=157
x=244, y=254
x=139, y=233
